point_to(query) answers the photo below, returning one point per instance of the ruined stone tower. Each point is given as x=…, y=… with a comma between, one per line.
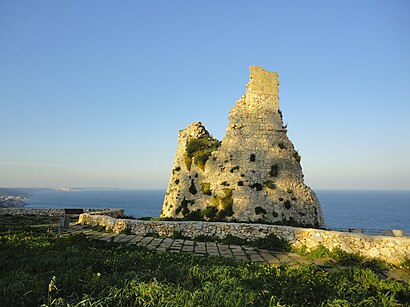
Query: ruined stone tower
x=253, y=174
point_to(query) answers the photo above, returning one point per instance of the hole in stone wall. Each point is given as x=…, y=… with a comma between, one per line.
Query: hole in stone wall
x=192, y=187
x=252, y=158
x=256, y=186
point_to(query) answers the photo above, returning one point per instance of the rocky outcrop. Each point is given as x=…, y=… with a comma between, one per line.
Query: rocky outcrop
x=254, y=174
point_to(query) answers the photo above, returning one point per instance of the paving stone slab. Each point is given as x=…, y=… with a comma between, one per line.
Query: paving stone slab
x=188, y=249
x=241, y=258
x=136, y=239
x=119, y=237
x=211, y=244
x=156, y=241
x=126, y=239
x=108, y=238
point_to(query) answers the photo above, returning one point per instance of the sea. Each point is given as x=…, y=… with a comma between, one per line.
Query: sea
x=341, y=208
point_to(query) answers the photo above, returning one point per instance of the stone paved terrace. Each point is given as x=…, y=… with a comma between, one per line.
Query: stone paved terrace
x=200, y=249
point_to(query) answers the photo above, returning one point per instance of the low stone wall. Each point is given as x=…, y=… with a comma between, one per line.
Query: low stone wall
x=390, y=249
x=113, y=212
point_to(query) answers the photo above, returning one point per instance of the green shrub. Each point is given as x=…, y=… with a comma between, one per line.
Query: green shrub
x=233, y=240
x=209, y=212
x=260, y=210
x=199, y=150
x=99, y=228
x=405, y=263
x=272, y=242
x=194, y=215
x=184, y=207
x=126, y=231
x=187, y=161
x=281, y=145
x=297, y=157
x=128, y=217
x=200, y=160
x=206, y=188
x=178, y=235
x=227, y=199
x=270, y=184
x=223, y=213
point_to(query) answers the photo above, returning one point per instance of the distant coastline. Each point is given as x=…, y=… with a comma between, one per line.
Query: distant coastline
x=12, y=201
x=17, y=197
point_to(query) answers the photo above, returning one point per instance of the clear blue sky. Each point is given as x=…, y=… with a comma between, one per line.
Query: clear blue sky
x=93, y=93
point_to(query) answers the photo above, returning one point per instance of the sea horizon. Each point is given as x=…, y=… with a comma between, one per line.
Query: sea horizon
x=342, y=208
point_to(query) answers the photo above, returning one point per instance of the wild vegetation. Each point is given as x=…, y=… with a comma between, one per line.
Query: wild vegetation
x=199, y=151
x=36, y=268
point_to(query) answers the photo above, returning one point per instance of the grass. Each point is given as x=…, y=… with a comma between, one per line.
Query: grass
x=343, y=258
x=37, y=268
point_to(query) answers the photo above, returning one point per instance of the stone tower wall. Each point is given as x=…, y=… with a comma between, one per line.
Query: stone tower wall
x=255, y=174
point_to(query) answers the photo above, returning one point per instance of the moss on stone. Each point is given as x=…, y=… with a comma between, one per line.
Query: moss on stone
x=209, y=212
x=297, y=157
x=199, y=150
x=224, y=205
x=270, y=184
x=187, y=161
x=206, y=188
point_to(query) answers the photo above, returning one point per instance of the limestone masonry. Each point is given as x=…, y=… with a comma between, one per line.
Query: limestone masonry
x=388, y=248
x=253, y=174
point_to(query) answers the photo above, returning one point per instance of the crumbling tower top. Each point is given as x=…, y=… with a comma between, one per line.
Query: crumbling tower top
x=262, y=82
